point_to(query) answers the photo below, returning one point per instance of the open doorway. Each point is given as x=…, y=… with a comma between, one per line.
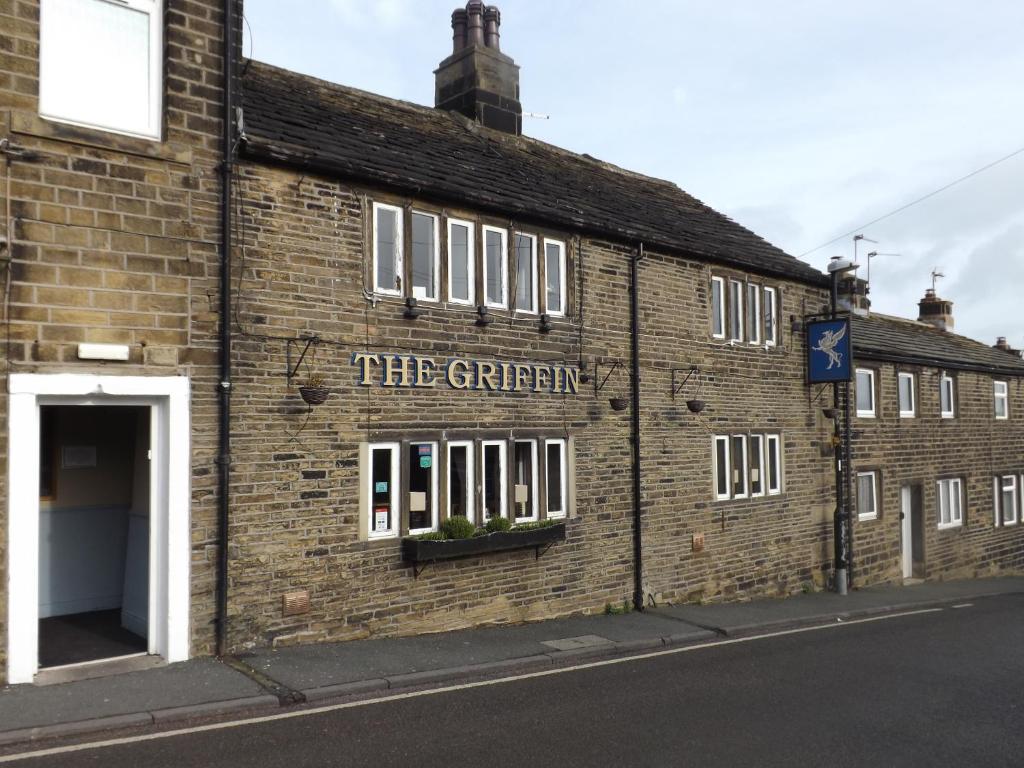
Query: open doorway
x=94, y=540
x=912, y=532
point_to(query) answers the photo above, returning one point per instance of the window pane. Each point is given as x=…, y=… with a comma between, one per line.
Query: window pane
x=906, y=384
x=754, y=313
x=773, y=464
x=739, y=465
x=735, y=311
x=495, y=257
x=95, y=64
x=459, y=483
x=523, y=467
x=458, y=245
x=388, y=248
x=381, y=479
x=721, y=466
x=946, y=395
x=865, y=391
x=865, y=495
x=525, y=270
x=756, y=466
x=769, y=315
x=555, y=502
x=493, y=481
x=944, y=502
x=717, y=315
x=421, y=481
x=554, y=266
x=424, y=261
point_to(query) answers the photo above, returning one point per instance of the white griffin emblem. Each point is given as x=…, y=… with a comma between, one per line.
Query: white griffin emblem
x=827, y=344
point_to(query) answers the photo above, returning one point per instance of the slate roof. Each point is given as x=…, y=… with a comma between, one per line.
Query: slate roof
x=896, y=339
x=303, y=122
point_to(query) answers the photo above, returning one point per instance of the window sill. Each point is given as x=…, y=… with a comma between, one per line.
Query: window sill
x=867, y=518
x=950, y=526
x=427, y=551
x=29, y=124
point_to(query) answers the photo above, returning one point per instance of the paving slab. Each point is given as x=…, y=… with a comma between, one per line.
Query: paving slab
x=188, y=683
x=739, y=618
x=316, y=666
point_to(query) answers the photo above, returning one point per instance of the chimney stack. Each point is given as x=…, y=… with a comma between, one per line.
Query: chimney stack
x=852, y=294
x=1002, y=345
x=935, y=311
x=478, y=80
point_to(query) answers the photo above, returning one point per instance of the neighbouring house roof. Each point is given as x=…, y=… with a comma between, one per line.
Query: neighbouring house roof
x=896, y=339
x=304, y=122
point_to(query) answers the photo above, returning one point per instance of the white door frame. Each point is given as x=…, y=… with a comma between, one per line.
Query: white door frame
x=906, y=531
x=168, y=399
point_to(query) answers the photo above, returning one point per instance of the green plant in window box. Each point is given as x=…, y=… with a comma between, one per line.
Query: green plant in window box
x=498, y=524
x=457, y=527
x=523, y=527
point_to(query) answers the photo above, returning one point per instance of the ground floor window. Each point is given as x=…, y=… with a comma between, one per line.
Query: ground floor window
x=746, y=465
x=949, y=495
x=411, y=485
x=1006, y=500
x=867, y=495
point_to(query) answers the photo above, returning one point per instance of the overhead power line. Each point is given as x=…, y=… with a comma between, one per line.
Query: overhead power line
x=921, y=199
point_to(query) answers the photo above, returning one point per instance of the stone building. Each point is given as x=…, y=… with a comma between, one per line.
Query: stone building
x=428, y=316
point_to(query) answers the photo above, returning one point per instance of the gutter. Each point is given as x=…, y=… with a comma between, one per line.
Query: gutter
x=224, y=385
x=933, y=362
x=634, y=333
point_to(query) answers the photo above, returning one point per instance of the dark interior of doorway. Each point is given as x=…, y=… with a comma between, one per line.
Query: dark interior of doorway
x=94, y=533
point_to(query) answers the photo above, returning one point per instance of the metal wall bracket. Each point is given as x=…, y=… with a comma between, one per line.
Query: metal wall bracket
x=690, y=373
x=615, y=365
x=307, y=342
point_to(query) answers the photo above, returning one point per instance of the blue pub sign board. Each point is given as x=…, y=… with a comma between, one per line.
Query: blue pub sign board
x=829, y=355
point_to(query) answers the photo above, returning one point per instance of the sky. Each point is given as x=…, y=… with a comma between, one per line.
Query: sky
x=801, y=120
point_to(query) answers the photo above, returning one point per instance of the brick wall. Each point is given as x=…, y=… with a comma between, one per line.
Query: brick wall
x=973, y=446
x=115, y=239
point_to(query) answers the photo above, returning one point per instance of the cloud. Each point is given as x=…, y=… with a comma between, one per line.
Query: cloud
x=374, y=14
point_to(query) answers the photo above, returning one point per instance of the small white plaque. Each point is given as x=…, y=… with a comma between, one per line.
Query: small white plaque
x=522, y=494
x=417, y=501
x=102, y=351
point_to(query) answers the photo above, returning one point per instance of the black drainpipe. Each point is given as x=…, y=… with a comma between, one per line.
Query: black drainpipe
x=634, y=331
x=224, y=387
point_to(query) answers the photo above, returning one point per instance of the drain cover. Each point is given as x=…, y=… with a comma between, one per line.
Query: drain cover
x=575, y=643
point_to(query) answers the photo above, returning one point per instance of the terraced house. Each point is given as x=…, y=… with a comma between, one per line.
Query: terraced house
x=267, y=334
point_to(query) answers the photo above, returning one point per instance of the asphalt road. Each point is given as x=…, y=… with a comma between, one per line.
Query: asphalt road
x=935, y=689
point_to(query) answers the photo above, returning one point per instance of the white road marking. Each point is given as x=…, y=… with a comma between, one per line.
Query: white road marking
x=964, y=605
x=446, y=689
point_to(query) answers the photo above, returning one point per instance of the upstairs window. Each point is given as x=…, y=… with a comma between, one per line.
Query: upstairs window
x=865, y=393
x=1000, y=394
x=718, y=307
x=908, y=408
x=387, y=249
x=426, y=257
x=554, y=274
x=947, y=396
x=735, y=310
x=754, y=313
x=101, y=64
x=495, y=268
x=461, y=276
x=526, y=272
x=770, y=315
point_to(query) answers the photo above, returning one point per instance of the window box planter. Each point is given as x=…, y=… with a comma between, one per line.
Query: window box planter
x=421, y=551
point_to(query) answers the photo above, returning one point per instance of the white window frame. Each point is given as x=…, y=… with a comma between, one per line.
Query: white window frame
x=471, y=261
x=399, y=247
x=754, y=329
x=865, y=413
x=951, y=483
x=721, y=315
x=770, y=315
x=1001, y=394
x=872, y=513
x=776, y=441
x=436, y=256
x=152, y=8
x=394, y=491
x=740, y=466
x=563, y=460
x=1004, y=517
x=470, y=478
x=534, y=307
x=946, y=382
x=435, y=455
x=900, y=378
x=503, y=233
x=736, y=306
x=562, y=281
x=503, y=491
x=727, y=440
x=534, y=507
x=760, y=468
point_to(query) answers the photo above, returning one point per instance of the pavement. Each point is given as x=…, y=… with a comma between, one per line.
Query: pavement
x=268, y=680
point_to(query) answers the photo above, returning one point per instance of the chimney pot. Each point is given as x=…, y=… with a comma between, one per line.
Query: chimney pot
x=492, y=21
x=475, y=23
x=459, y=19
